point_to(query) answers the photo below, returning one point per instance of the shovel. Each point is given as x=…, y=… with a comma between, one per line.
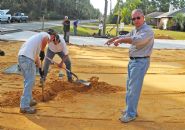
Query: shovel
x=86, y=83
x=42, y=84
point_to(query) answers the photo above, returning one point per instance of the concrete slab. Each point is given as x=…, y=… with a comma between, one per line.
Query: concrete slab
x=6, y=31
x=17, y=36
x=14, y=69
x=79, y=40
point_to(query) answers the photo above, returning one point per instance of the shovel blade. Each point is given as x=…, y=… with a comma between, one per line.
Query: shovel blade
x=86, y=83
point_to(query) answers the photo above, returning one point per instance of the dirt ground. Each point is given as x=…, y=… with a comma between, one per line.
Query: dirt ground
x=71, y=106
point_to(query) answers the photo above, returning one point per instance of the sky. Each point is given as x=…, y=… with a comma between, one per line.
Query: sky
x=100, y=4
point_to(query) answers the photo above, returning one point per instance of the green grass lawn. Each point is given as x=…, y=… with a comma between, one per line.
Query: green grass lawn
x=163, y=34
x=82, y=31
x=169, y=34
x=89, y=31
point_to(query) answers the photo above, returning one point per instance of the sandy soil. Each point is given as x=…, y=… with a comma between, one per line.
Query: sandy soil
x=70, y=106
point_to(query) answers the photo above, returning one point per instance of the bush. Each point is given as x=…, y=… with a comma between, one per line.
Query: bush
x=180, y=20
x=170, y=24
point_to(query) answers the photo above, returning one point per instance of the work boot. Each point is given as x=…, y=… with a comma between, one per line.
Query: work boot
x=28, y=110
x=33, y=102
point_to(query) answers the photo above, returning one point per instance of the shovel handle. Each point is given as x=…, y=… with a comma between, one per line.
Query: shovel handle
x=42, y=85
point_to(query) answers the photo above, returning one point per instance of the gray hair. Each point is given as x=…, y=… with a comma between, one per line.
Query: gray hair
x=138, y=10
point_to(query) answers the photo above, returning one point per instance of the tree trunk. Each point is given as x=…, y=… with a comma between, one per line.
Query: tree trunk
x=105, y=17
x=117, y=29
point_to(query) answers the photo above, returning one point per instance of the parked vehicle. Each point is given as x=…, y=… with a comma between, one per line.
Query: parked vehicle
x=19, y=17
x=4, y=17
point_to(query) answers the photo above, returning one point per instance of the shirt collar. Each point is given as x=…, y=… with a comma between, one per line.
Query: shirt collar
x=137, y=29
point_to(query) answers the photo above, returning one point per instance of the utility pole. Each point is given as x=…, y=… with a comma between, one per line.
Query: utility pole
x=105, y=17
x=117, y=23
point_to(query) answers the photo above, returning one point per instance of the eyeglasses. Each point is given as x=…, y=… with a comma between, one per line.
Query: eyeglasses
x=138, y=18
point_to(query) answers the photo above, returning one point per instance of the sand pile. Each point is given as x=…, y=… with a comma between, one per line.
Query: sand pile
x=59, y=90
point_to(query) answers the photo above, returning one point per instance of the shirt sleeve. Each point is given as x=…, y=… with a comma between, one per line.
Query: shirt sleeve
x=142, y=38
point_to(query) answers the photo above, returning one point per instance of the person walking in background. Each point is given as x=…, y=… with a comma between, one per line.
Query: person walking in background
x=28, y=55
x=141, y=40
x=100, y=28
x=66, y=29
x=58, y=46
x=75, y=25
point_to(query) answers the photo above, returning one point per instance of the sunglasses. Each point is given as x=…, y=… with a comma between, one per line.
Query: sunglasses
x=138, y=18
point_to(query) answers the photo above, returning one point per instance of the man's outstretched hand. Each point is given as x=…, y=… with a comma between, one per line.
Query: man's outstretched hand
x=110, y=41
x=116, y=42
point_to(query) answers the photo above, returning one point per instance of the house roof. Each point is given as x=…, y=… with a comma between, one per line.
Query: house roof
x=154, y=14
x=171, y=14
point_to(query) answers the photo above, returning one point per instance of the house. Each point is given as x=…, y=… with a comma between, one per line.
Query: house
x=151, y=18
x=161, y=19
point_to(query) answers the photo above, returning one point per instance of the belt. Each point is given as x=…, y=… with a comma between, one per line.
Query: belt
x=134, y=58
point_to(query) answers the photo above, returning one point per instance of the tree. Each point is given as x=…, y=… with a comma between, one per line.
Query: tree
x=127, y=8
x=146, y=6
x=163, y=5
x=180, y=20
x=105, y=17
x=81, y=9
x=118, y=18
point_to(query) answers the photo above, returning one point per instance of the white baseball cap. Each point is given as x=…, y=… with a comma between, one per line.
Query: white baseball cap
x=66, y=17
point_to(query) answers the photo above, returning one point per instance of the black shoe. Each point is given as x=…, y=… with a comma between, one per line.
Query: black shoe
x=33, y=102
x=28, y=110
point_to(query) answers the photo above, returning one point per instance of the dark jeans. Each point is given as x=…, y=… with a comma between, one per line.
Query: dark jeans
x=75, y=30
x=66, y=36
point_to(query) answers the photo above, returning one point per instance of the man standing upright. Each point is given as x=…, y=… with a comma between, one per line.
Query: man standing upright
x=100, y=28
x=141, y=40
x=66, y=29
x=75, y=25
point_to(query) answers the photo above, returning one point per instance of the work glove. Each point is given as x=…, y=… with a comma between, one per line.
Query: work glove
x=42, y=55
x=41, y=72
x=2, y=53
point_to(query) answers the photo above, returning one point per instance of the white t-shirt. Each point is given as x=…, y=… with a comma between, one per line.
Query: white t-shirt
x=59, y=47
x=100, y=26
x=31, y=48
